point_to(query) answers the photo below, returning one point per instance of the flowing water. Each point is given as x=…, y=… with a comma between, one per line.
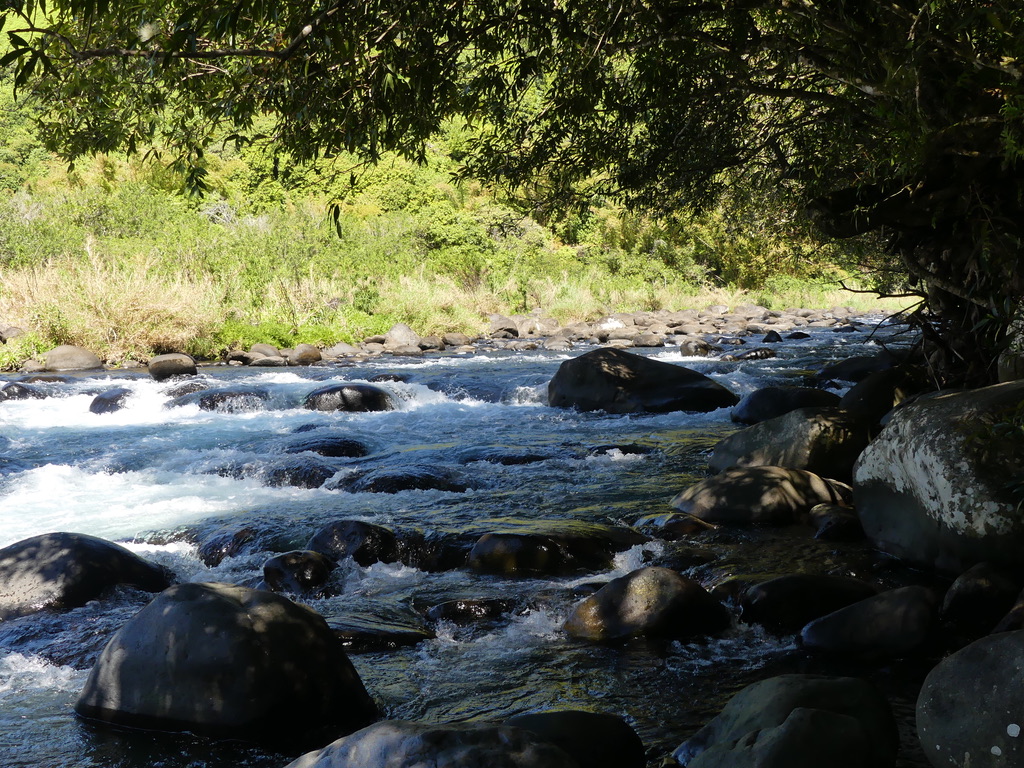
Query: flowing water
x=159, y=479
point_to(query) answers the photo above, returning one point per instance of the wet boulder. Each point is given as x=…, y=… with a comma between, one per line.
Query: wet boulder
x=878, y=393
x=511, y=554
x=888, y=624
x=649, y=602
x=969, y=711
x=798, y=721
x=365, y=543
x=592, y=739
x=769, y=402
x=403, y=744
x=356, y=398
x=228, y=662
x=932, y=487
x=233, y=540
x=164, y=367
x=223, y=399
x=672, y=525
x=294, y=472
x=68, y=357
x=111, y=401
x=825, y=441
x=787, y=603
x=616, y=381
x=59, y=571
x=16, y=390
x=298, y=572
x=757, y=495
x=834, y=522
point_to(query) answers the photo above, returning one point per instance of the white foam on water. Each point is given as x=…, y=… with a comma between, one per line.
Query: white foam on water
x=20, y=674
x=119, y=505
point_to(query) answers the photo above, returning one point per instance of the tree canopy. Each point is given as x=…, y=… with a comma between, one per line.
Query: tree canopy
x=904, y=117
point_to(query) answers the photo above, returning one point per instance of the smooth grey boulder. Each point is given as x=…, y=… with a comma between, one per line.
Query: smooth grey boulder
x=752, y=715
x=305, y=354
x=59, y=571
x=164, y=367
x=403, y=744
x=888, y=624
x=825, y=441
x=401, y=335
x=769, y=402
x=223, y=400
x=68, y=357
x=970, y=712
x=649, y=602
x=349, y=397
x=228, y=662
x=757, y=495
x=616, y=381
x=931, y=488
x=592, y=739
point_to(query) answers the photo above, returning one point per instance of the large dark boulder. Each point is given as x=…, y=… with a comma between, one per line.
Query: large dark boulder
x=888, y=624
x=593, y=739
x=411, y=478
x=403, y=744
x=932, y=487
x=620, y=382
x=769, y=402
x=970, y=712
x=332, y=446
x=349, y=397
x=649, y=602
x=228, y=662
x=856, y=368
x=16, y=390
x=757, y=495
x=878, y=393
x=825, y=441
x=58, y=571
x=551, y=547
x=783, y=722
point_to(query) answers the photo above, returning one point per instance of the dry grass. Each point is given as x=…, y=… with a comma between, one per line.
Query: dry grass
x=120, y=311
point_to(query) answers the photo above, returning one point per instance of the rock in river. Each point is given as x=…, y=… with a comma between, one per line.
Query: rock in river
x=228, y=662
x=616, y=381
x=65, y=570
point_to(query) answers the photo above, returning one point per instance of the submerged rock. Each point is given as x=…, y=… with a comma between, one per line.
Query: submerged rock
x=403, y=744
x=110, y=401
x=60, y=571
x=228, y=662
x=620, y=382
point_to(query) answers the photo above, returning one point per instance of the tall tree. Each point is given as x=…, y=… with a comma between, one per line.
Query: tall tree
x=899, y=116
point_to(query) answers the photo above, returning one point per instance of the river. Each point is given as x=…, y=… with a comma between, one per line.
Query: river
x=159, y=479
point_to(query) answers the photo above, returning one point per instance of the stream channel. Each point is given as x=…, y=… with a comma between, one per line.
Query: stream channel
x=155, y=479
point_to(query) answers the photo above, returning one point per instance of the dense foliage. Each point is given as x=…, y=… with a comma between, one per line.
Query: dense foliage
x=903, y=116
